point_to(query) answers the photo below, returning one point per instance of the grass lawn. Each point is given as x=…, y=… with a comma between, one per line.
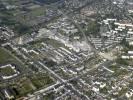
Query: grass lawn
x=38, y=12
x=29, y=85
x=5, y=57
x=24, y=87
x=41, y=80
x=7, y=71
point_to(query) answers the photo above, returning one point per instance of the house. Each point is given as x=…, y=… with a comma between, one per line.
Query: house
x=130, y=52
